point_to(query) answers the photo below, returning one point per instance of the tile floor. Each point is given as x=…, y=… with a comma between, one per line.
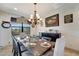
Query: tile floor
x=70, y=52
x=6, y=51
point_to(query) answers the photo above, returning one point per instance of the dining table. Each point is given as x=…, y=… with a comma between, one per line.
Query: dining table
x=38, y=46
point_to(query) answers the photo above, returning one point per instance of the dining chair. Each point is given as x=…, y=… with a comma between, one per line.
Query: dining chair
x=15, y=48
x=19, y=49
x=24, y=51
x=59, y=47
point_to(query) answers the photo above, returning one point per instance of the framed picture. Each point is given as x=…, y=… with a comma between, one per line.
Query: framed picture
x=68, y=18
x=52, y=21
x=13, y=19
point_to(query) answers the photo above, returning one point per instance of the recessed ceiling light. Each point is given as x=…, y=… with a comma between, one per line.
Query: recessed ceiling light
x=15, y=9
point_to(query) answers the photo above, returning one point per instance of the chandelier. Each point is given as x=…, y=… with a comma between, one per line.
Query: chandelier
x=35, y=18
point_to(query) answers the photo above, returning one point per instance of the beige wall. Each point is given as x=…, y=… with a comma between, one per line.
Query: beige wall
x=5, y=34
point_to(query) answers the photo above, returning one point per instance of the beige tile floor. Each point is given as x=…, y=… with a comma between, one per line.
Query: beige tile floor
x=70, y=52
x=7, y=51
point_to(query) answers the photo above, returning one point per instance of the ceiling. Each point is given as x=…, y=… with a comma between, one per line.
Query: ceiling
x=26, y=9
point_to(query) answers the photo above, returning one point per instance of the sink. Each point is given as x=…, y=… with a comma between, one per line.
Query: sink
x=45, y=44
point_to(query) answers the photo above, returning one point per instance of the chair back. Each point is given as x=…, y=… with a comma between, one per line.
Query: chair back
x=15, y=46
x=14, y=42
x=59, y=47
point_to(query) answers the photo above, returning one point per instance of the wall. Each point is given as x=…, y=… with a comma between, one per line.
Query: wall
x=5, y=34
x=70, y=30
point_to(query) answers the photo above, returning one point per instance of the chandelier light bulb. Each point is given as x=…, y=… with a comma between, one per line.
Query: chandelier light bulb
x=38, y=16
x=31, y=16
x=30, y=20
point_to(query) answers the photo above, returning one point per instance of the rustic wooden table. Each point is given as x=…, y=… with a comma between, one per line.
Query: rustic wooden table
x=38, y=49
